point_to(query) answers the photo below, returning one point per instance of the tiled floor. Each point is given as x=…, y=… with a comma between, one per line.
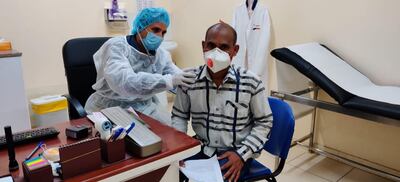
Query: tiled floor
x=302, y=166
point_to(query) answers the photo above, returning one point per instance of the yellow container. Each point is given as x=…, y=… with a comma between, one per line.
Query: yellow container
x=49, y=110
x=5, y=45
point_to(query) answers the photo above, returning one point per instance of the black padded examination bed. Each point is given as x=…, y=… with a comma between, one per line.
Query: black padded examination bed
x=297, y=56
x=356, y=96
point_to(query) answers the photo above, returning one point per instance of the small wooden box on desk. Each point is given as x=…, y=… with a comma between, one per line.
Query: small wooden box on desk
x=113, y=151
x=37, y=169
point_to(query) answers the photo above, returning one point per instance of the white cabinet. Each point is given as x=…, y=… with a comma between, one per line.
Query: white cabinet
x=13, y=101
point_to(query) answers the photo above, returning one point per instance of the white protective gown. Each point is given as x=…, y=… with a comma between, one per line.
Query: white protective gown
x=253, y=31
x=128, y=78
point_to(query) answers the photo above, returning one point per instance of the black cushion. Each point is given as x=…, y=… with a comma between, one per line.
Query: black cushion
x=374, y=107
x=79, y=67
x=343, y=97
x=287, y=56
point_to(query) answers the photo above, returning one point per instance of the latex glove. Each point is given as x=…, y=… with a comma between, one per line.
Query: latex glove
x=189, y=70
x=185, y=78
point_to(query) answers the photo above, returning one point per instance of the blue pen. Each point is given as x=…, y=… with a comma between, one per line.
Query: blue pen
x=34, y=150
x=117, y=133
x=130, y=127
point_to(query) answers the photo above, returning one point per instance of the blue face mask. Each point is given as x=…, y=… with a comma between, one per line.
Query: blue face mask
x=152, y=41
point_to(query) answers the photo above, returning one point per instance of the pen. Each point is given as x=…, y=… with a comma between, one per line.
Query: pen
x=34, y=150
x=127, y=130
x=117, y=133
x=130, y=127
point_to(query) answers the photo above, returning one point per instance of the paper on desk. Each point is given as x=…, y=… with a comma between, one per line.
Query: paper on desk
x=203, y=170
x=97, y=117
x=6, y=179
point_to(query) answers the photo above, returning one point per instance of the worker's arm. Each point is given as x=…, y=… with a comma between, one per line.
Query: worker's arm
x=123, y=80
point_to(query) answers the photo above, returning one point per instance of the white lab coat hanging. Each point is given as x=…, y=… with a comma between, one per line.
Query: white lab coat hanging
x=253, y=29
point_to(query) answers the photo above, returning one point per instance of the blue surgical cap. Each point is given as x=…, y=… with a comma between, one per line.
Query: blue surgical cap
x=149, y=16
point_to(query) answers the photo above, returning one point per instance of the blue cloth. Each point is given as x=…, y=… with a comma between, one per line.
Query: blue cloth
x=149, y=16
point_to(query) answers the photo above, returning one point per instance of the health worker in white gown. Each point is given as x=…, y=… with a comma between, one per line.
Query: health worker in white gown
x=132, y=69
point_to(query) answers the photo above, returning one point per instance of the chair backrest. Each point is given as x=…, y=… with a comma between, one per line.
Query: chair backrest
x=79, y=67
x=282, y=129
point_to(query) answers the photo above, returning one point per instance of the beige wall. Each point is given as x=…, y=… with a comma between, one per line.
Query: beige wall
x=191, y=20
x=40, y=28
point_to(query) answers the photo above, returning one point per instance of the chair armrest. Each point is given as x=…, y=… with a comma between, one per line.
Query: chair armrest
x=74, y=103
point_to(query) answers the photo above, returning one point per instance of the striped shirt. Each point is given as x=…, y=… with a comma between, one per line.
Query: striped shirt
x=236, y=116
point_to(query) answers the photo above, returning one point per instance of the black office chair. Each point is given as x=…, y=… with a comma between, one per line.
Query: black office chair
x=80, y=71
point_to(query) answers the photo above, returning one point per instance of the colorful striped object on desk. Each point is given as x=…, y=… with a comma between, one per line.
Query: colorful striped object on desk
x=36, y=162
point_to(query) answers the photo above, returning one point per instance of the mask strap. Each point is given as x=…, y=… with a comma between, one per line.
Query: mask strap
x=147, y=51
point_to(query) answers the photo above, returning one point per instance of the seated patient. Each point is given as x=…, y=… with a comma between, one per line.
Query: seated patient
x=227, y=104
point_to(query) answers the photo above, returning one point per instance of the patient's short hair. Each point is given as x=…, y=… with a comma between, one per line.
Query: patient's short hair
x=220, y=26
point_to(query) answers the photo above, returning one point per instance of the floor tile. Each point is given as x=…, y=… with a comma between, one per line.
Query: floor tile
x=330, y=169
x=306, y=160
x=321, y=166
x=268, y=159
x=357, y=175
x=293, y=174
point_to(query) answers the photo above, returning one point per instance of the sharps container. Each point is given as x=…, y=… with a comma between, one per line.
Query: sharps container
x=49, y=110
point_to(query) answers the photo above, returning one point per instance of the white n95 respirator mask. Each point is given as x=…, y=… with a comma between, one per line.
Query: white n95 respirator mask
x=217, y=59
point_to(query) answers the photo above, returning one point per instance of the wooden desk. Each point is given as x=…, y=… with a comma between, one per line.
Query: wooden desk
x=176, y=146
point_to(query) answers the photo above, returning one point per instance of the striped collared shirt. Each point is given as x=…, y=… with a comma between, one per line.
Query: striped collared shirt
x=235, y=116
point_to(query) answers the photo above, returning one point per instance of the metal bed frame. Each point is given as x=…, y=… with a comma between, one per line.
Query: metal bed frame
x=298, y=97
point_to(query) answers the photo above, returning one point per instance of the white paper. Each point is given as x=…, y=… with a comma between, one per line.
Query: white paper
x=6, y=179
x=203, y=170
x=344, y=75
x=97, y=117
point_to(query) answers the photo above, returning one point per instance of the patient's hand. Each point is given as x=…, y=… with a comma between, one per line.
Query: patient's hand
x=234, y=165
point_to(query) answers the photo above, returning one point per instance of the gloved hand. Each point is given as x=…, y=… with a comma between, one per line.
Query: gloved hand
x=185, y=78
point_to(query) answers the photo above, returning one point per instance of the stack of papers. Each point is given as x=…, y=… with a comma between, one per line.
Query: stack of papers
x=203, y=170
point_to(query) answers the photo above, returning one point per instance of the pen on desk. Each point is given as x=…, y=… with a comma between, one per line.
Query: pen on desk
x=34, y=150
x=117, y=133
x=130, y=127
x=127, y=130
